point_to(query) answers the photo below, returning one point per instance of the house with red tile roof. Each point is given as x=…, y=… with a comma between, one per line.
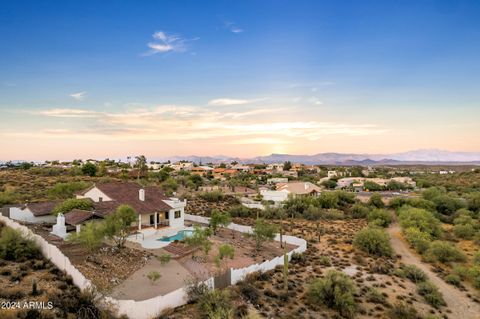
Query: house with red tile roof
x=154, y=209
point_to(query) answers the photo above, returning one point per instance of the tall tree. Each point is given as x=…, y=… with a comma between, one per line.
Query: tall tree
x=117, y=225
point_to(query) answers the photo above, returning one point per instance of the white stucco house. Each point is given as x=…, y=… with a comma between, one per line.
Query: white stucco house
x=154, y=209
x=35, y=213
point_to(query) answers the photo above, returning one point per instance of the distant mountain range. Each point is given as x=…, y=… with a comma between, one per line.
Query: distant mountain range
x=422, y=156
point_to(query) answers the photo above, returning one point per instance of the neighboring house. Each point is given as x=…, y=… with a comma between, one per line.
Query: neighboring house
x=276, y=180
x=152, y=206
x=220, y=173
x=299, y=188
x=182, y=166
x=36, y=213
x=275, y=167
x=274, y=196
x=76, y=217
x=201, y=170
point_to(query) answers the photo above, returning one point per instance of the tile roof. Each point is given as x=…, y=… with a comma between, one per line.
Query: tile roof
x=41, y=208
x=127, y=193
x=78, y=216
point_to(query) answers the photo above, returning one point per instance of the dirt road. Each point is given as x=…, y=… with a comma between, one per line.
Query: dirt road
x=457, y=302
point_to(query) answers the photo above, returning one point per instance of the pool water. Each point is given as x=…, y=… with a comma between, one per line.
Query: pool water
x=178, y=236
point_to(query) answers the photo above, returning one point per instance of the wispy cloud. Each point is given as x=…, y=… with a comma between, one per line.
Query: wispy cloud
x=190, y=123
x=164, y=42
x=79, y=96
x=227, y=101
x=232, y=27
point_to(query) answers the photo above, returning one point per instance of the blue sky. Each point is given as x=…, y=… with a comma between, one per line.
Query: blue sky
x=238, y=78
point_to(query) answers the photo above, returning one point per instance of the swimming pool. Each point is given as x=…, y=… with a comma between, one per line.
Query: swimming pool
x=178, y=236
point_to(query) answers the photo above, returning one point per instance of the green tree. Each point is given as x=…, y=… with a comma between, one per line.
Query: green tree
x=380, y=217
x=287, y=166
x=72, y=203
x=90, y=236
x=219, y=218
x=372, y=186
x=199, y=239
x=330, y=184
x=117, y=225
x=263, y=232
x=89, y=169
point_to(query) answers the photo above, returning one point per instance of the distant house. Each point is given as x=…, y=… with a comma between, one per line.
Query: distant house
x=182, y=166
x=276, y=180
x=274, y=196
x=36, y=213
x=299, y=188
x=201, y=170
x=154, y=209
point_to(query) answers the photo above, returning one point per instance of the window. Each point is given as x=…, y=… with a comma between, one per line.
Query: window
x=178, y=213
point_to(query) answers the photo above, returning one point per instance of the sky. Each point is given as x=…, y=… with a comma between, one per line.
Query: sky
x=98, y=79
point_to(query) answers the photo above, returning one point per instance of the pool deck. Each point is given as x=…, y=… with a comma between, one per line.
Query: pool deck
x=151, y=237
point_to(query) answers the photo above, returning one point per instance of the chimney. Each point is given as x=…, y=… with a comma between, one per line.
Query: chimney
x=141, y=194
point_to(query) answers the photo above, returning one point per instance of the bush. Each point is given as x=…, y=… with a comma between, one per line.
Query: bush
x=476, y=258
x=327, y=200
x=443, y=252
x=90, y=236
x=325, y=261
x=453, y=279
x=447, y=205
x=421, y=219
x=402, y=311
x=216, y=304
x=375, y=296
x=13, y=246
x=72, y=203
x=333, y=214
x=379, y=217
x=373, y=240
x=464, y=231
x=66, y=190
x=242, y=211
x=474, y=275
x=359, y=211
x=164, y=258
x=414, y=273
x=431, y=294
x=335, y=291
x=214, y=196
x=153, y=276
x=376, y=201
x=418, y=239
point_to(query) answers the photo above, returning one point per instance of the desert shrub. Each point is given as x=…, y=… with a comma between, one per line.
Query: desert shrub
x=333, y=214
x=399, y=272
x=464, y=231
x=242, y=211
x=327, y=200
x=376, y=201
x=164, y=258
x=380, y=217
x=335, y=291
x=298, y=205
x=431, y=294
x=359, y=210
x=443, y=252
x=13, y=246
x=90, y=237
x=249, y=291
x=325, y=261
x=214, y=196
x=216, y=304
x=374, y=241
x=461, y=271
x=345, y=198
x=474, y=275
x=153, y=276
x=422, y=219
x=402, y=311
x=72, y=203
x=263, y=232
x=195, y=288
x=476, y=258
x=298, y=256
x=226, y=250
x=418, y=239
x=398, y=202
x=66, y=190
x=7, y=197
x=447, y=205
x=473, y=202
x=433, y=192
x=375, y=296
x=414, y=273
x=453, y=279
